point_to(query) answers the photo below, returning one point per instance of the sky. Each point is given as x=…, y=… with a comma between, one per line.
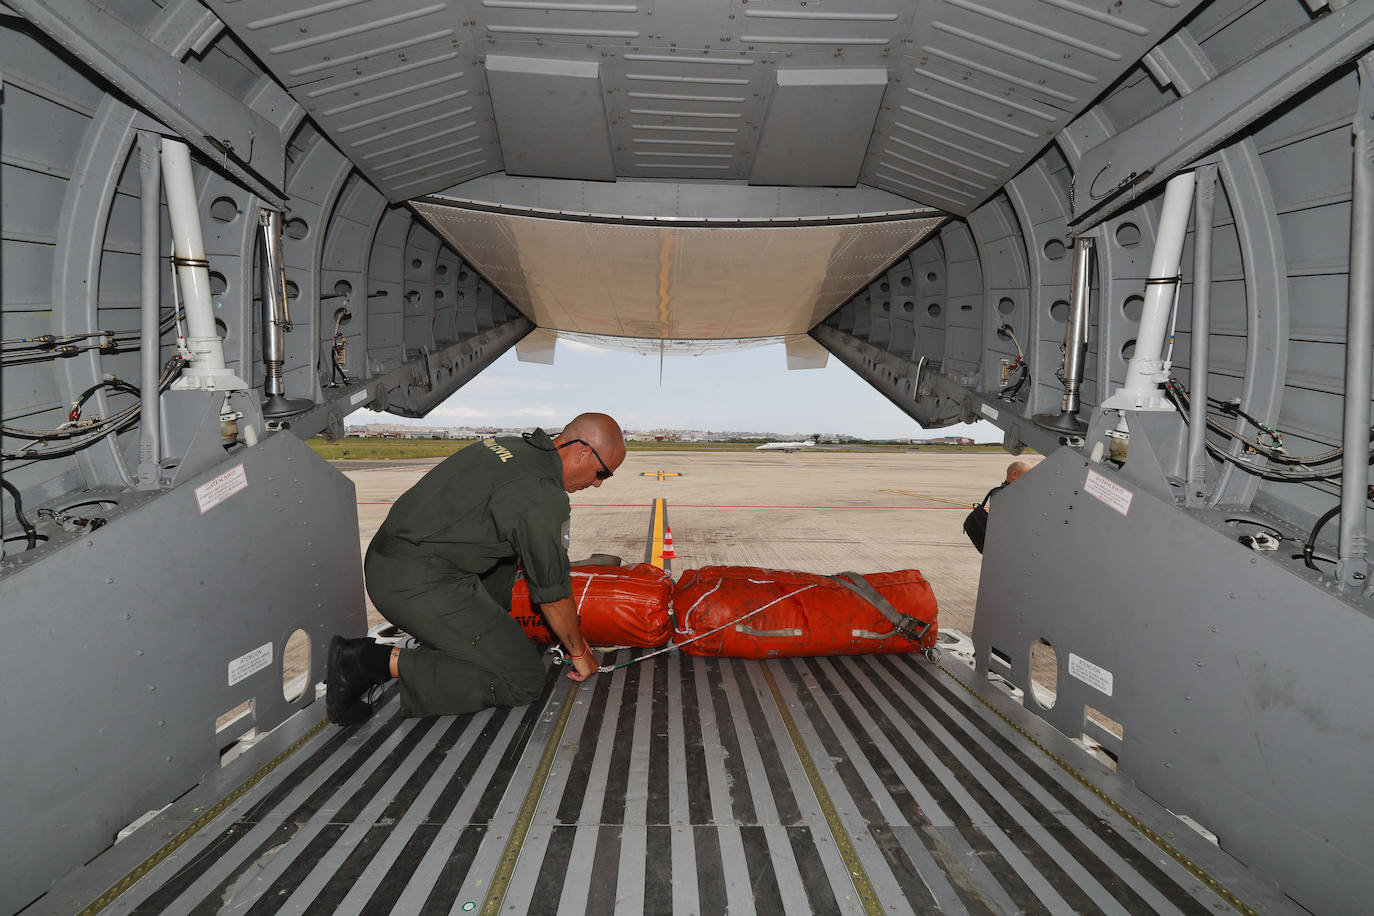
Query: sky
x=741, y=390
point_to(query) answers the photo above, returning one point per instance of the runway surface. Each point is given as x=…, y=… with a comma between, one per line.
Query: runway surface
x=823, y=512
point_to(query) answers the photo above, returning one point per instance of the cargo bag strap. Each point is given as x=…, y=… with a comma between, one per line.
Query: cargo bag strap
x=984, y=503
x=910, y=627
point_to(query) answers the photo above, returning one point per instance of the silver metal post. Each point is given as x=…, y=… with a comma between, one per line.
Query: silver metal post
x=1066, y=422
x=1076, y=335
x=276, y=321
x=150, y=335
x=273, y=303
x=1204, y=199
x=1353, y=568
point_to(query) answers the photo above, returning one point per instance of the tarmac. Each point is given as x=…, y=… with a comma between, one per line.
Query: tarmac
x=821, y=512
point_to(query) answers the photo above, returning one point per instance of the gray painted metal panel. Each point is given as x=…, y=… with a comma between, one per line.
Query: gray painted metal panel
x=118, y=715
x=215, y=123
x=840, y=105
x=1152, y=150
x=550, y=116
x=984, y=86
x=393, y=84
x=1231, y=663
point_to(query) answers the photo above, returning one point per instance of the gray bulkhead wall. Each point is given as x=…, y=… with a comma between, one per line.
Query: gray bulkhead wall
x=141, y=616
x=1237, y=676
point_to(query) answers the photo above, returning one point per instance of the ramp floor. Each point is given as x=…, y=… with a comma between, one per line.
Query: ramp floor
x=683, y=785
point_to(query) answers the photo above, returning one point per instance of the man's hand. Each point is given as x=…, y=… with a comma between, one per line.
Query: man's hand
x=583, y=667
x=562, y=618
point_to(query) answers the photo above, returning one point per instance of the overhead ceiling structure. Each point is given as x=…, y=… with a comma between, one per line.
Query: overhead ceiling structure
x=930, y=107
x=938, y=102
x=663, y=276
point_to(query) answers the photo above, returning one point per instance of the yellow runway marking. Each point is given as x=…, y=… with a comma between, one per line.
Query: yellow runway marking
x=660, y=475
x=656, y=526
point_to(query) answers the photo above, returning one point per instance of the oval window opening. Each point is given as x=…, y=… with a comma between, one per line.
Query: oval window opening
x=295, y=666
x=1044, y=674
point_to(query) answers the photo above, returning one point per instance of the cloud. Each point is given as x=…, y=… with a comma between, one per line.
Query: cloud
x=507, y=383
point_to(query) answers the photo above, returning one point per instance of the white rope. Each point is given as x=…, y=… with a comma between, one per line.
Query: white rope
x=607, y=669
x=686, y=627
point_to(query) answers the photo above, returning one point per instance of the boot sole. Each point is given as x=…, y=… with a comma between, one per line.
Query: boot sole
x=334, y=709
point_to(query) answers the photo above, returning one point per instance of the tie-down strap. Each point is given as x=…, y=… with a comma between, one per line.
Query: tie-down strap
x=912, y=628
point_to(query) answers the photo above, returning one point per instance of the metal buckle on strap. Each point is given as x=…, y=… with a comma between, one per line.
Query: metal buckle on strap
x=912, y=628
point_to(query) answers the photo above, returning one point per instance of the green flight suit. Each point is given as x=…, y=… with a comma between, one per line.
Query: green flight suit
x=442, y=565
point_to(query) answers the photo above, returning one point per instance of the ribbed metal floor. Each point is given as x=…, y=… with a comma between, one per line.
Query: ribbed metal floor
x=676, y=786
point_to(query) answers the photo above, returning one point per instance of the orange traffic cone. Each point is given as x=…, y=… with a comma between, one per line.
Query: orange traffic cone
x=668, y=553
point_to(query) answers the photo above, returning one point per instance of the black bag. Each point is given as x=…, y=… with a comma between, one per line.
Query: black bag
x=976, y=522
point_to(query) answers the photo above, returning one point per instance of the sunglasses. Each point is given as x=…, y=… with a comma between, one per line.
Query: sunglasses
x=605, y=473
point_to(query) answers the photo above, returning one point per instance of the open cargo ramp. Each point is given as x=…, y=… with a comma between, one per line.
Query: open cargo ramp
x=678, y=785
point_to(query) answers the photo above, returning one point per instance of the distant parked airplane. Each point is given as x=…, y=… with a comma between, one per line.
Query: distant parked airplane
x=785, y=446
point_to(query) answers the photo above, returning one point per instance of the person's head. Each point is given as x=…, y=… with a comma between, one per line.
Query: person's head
x=1016, y=469
x=591, y=447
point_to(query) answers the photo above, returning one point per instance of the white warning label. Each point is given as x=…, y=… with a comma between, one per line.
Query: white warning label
x=1113, y=494
x=357, y=398
x=209, y=495
x=990, y=412
x=1094, y=676
x=250, y=663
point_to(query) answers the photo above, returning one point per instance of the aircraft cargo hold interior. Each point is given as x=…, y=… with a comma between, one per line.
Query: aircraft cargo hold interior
x=1137, y=238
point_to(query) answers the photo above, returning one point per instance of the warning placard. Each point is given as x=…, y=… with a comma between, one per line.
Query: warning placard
x=1090, y=674
x=250, y=663
x=209, y=495
x=1113, y=494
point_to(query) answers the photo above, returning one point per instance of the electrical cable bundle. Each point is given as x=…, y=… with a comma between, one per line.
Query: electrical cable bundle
x=30, y=532
x=77, y=433
x=1011, y=389
x=1302, y=466
x=338, y=350
x=23, y=350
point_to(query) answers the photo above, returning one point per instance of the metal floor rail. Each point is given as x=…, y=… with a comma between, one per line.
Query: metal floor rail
x=683, y=785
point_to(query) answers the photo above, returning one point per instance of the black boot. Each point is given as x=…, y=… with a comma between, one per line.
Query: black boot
x=347, y=682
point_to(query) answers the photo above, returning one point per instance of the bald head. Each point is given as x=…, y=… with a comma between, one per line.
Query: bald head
x=599, y=429
x=1016, y=469
x=594, y=442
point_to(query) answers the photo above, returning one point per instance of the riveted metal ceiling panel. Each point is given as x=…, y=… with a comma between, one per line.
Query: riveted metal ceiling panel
x=984, y=85
x=550, y=117
x=664, y=280
x=691, y=91
x=393, y=83
x=817, y=128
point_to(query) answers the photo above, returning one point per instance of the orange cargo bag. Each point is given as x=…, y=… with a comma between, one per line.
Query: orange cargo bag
x=769, y=613
x=617, y=605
